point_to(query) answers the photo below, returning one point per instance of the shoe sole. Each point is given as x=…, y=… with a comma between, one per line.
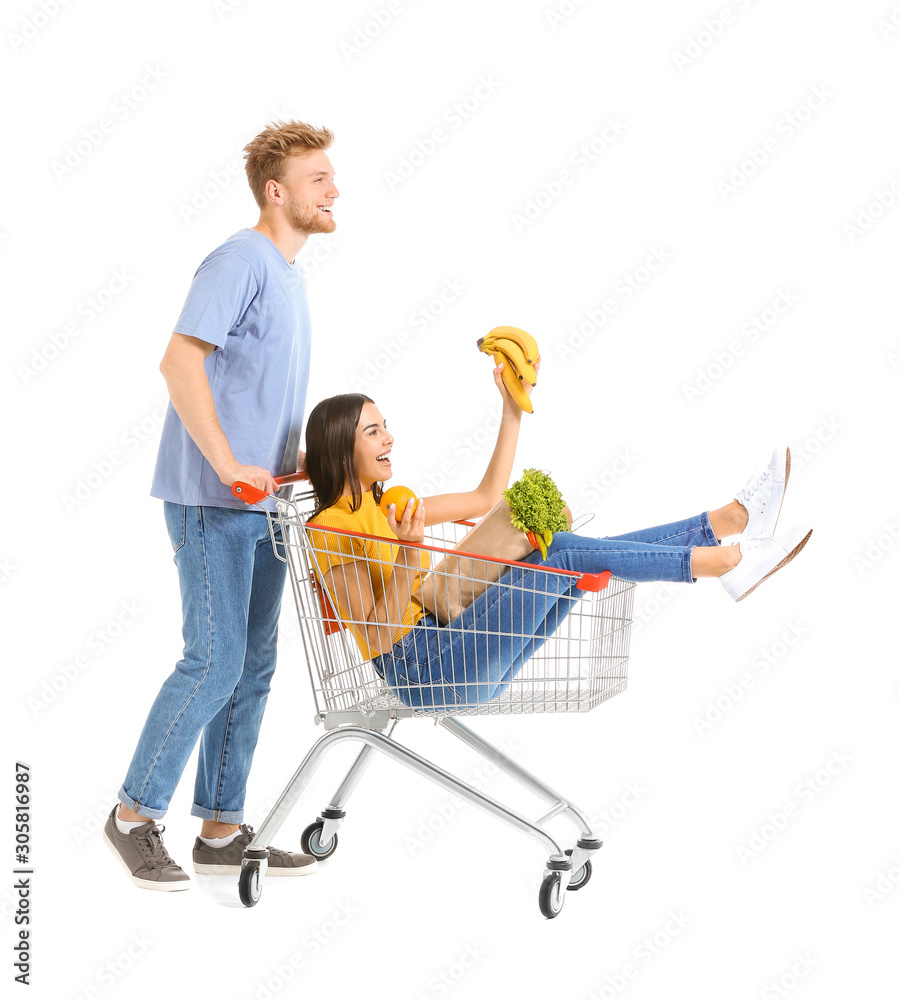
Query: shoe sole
x=789, y=557
x=143, y=883
x=783, y=492
x=236, y=869
x=764, y=529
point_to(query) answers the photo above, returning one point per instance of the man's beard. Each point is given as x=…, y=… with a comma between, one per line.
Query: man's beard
x=309, y=220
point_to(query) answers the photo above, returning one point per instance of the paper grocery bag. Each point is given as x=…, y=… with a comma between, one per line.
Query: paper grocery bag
x=457, y=581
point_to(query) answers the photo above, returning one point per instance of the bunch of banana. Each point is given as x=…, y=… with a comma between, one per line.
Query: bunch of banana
x=517, y=351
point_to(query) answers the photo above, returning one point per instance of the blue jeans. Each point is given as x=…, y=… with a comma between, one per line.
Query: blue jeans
x=473, y=659
x=231, y=586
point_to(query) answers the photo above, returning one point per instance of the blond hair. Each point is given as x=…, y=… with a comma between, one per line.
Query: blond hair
x=268, y=153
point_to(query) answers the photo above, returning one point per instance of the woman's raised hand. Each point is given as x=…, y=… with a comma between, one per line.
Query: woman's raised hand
x=504, y=392
x=411, y=526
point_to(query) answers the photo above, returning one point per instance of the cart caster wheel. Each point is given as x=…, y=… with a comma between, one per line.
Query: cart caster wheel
x=250, y=884
x=581, y=877
x=551, y=895
x=311, y=841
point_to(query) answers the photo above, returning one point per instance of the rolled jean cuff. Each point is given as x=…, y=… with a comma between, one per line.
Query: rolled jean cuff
x=711, y=537
x=688, y=565
x=217, y=815
x=139, y=807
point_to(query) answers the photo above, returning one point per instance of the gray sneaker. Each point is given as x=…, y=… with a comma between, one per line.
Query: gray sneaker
x=227, y=860
x=143, y=855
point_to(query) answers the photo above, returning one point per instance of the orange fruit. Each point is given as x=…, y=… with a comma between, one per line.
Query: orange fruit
x=400, y=495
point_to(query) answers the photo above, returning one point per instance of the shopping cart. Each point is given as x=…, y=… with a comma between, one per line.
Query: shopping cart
x=580, y=665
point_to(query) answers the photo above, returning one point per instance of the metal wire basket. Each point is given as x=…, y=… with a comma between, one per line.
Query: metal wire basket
x=582, y=663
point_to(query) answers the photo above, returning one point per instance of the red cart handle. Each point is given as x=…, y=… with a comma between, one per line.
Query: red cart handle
x=585, y=581
x=250, y=494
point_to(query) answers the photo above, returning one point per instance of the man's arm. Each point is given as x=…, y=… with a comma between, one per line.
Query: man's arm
x=184, y=374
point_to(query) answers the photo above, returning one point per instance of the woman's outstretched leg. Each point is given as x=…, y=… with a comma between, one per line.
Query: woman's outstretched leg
x=754, y=510
x=691, y=531
x=475, y=656
x=707, y=528
x=642, y=561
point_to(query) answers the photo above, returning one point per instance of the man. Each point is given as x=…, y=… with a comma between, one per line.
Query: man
x=236, y=368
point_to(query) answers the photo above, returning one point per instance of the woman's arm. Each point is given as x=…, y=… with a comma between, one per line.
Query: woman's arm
x=476, y=502
x=350, y=583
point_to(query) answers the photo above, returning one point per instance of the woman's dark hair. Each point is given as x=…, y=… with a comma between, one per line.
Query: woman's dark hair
x=331, y=447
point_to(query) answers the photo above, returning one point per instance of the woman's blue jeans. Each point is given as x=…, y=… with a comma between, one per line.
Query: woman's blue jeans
x=231, y=586
x=473, y=659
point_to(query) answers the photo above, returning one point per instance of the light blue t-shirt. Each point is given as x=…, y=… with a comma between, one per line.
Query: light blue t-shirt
x=249, y=302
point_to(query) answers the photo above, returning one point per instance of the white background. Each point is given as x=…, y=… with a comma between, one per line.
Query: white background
x=801, y=765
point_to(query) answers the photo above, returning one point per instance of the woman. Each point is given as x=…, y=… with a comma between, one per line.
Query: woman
x=473, y=659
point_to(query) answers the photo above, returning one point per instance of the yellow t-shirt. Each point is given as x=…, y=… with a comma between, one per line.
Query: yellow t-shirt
x=373, y=559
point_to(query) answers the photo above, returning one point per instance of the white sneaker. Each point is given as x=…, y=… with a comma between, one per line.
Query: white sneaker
x=760, y=557
x=763, y=494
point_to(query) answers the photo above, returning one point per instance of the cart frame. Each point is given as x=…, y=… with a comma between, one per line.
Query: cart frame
x=364, y=708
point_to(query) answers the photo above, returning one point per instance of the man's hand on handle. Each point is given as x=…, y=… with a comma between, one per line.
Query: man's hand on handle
x=252, y=474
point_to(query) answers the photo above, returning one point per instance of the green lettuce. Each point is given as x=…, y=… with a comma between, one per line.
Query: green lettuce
x=536, y=506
